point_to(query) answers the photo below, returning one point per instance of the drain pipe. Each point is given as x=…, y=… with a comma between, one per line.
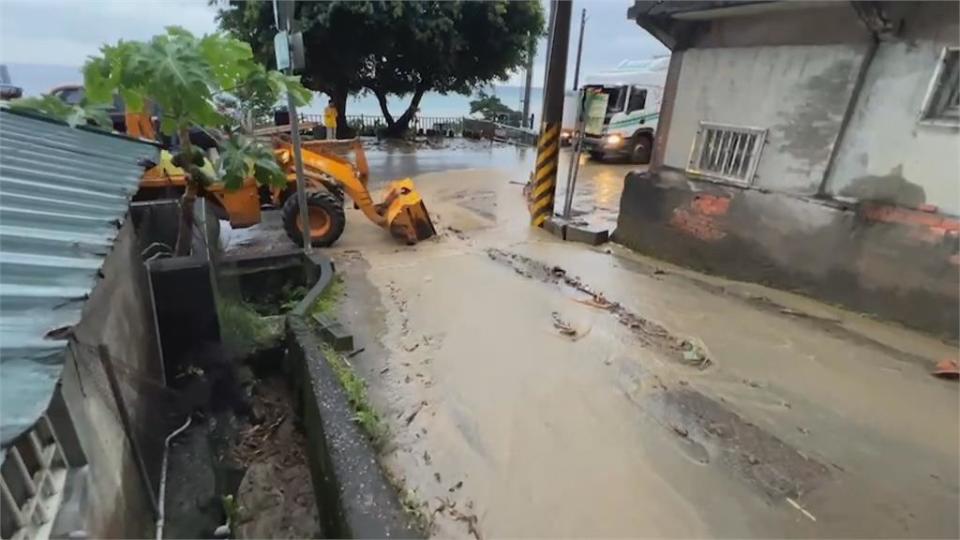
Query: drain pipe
x=875, y=21
x=163, y=476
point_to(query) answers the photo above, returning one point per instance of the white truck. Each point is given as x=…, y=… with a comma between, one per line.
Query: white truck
x=621, y=116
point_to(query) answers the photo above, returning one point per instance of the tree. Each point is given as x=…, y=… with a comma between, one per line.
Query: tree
x=491, y=108
x=183, y=75
x=336, y=41
x=398, y=48
x=448, y=47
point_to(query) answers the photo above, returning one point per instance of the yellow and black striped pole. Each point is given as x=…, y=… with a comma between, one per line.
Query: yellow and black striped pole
x=545, y=174
x=544, y=186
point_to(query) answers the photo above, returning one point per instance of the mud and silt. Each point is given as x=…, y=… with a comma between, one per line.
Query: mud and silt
x=535, y=388
x=759, y=457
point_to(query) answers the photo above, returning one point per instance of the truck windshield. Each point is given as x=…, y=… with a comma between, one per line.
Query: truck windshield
x=617, y=96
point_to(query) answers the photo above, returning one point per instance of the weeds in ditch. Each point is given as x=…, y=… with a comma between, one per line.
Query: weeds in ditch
x=415, y=508
x=241, y=326
x=329, y=299
x=356, y=389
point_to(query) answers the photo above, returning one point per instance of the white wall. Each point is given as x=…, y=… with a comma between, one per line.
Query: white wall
x=887, y=154
x=797, y=92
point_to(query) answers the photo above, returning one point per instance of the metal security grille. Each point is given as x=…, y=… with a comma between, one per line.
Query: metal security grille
x=942, y=103
x=725, y=152
x=31, y=484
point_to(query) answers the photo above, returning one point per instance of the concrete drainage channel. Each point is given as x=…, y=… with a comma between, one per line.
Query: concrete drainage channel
x=259, y=460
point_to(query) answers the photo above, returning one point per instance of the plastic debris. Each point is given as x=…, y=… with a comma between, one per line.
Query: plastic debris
x=947, y=369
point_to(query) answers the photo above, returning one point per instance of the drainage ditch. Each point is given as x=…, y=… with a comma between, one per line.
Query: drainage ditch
x=277, y=444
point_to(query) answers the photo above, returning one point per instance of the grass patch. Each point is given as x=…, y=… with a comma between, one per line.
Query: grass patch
x=241, y=326
x=416, y=509
x=329, y=299
x=356, y=389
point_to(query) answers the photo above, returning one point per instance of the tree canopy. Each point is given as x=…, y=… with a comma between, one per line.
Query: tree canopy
x=491, y=108
x=396, y=47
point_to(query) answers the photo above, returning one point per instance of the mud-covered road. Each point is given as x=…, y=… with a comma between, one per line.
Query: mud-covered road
x=538, y=388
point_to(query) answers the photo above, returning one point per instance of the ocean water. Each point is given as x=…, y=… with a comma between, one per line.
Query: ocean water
x=434, y=104
x=38, y=79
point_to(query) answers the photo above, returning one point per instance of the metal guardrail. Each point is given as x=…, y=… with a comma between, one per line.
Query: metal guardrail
x=369, y=124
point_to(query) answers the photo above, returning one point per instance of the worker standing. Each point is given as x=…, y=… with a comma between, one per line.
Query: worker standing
x=330, y=120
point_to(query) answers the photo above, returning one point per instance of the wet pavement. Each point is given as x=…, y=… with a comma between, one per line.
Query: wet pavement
x=539, y=388
x=596, y=201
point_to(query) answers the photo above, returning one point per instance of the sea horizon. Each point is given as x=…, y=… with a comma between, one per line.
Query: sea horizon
x=37, y=79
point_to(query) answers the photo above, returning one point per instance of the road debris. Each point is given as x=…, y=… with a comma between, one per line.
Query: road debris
x=564, y=327
x=802, y=510
x=947, y=369
x=695, y=353
x=689, y=351
x=471, y=520
x=415, y=412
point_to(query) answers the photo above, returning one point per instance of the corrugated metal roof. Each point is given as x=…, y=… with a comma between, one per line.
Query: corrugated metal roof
x=63, y=195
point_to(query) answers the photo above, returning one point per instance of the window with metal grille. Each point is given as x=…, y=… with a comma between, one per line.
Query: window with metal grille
x=942, y=104
x=725, y=152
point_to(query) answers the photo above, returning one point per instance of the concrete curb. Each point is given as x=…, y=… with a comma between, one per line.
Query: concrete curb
x=575, y=233
x=354, y=498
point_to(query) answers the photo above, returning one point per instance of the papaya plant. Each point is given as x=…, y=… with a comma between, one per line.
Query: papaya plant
x=181, y=76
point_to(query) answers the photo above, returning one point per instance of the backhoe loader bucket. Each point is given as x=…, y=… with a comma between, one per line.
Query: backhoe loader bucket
x=407, y=216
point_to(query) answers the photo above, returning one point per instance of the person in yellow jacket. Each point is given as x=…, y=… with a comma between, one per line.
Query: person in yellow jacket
x=330, y=120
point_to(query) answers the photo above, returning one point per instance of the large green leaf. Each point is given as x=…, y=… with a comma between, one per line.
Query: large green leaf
x=241, y=157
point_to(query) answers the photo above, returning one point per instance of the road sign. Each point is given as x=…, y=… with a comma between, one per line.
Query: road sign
x=281, y=48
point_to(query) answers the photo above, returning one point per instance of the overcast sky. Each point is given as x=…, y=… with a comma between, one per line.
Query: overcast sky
x=66, y=32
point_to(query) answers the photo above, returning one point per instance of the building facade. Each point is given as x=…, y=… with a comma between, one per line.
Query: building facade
x=812, y=146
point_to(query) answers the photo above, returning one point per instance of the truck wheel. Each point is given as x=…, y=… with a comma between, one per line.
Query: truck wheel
x=642, y=147
x=326, y=218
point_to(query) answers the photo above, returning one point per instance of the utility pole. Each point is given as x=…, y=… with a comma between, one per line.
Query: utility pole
x=576, y=69
x=283, y=17
x=531, y=53
x=541, y=195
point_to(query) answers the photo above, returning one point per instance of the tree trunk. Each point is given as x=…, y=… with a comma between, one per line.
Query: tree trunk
x=339, y=97
x=384, y=108
x=399, y=127
x=185, y=232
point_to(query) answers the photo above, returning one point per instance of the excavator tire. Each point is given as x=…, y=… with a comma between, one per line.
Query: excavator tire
x=326, y=218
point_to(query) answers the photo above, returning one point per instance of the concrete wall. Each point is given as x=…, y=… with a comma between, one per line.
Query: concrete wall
x=119, y=315
x=887, y=154
x=899, y=264
x=797, y=92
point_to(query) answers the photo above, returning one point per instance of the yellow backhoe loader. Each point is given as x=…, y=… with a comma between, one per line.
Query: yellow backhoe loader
x=329, y=176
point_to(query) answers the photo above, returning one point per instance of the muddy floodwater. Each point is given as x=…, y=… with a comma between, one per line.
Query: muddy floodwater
x=540, y=388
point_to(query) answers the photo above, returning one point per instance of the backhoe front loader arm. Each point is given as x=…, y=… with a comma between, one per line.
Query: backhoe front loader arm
x=402, y=211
